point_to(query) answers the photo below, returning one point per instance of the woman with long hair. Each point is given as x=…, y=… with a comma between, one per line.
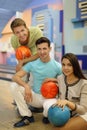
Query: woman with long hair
x=72, y=93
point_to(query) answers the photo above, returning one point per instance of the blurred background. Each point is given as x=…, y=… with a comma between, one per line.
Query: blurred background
x=64, y=22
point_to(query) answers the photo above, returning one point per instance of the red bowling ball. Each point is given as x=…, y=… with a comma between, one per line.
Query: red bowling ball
x=49, y=90
x=22, y=52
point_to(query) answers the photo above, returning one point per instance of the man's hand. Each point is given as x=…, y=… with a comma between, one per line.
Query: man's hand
x=28, y=94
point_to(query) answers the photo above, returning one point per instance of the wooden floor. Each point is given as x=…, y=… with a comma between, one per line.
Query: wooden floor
x=8, y=113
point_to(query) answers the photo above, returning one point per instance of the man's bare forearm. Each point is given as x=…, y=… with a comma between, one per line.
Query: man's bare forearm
x=18, y=78
x=32, y=58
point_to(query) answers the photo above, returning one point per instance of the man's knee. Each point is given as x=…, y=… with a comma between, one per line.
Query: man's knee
x=13, y=87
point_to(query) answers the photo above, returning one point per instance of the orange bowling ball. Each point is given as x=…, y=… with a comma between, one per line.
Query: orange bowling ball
x=49, y=89
x=22, y=52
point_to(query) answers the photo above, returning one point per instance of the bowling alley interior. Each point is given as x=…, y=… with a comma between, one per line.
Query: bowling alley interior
x=63, y=22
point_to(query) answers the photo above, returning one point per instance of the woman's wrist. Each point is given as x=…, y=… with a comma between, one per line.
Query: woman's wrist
x=71, y=105
x=75, y=107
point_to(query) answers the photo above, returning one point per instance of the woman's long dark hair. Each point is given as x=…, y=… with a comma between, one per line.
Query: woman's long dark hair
x=76, y=67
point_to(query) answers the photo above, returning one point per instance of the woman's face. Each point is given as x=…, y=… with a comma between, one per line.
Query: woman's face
x=67, y=67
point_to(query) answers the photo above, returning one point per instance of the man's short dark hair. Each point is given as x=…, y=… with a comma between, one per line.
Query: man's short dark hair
x=42, y=40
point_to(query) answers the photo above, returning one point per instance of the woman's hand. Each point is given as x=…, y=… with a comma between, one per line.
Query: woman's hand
x=62, y=103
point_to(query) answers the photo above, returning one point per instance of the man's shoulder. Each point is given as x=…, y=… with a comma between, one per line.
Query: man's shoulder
x=13, y=37
x=35, y=33
x=32, y=63
x=55, y=61
x=14, y=41
x=35, y=61
x=34, y=29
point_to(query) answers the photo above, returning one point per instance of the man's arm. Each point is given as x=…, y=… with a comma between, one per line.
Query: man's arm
x=24, y=61
x=31, y=58
x=18, y=79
